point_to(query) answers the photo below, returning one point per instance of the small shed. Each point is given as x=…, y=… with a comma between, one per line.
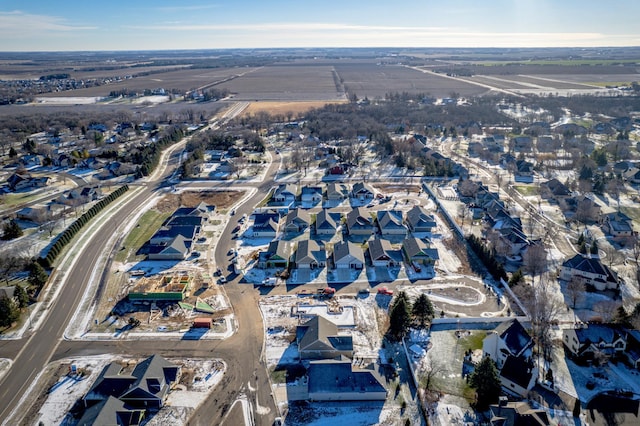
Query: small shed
x=201, y=323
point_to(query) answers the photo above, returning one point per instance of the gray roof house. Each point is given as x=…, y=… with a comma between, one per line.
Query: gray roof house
x=111, y=411
x=419, y=220
x=359, y=223
x=154, y=378
x=325, y=224
x=311, y=195
x=617, y=224
x=519, y=413
x=276, y=256
x=390, y=223
x=518, y=375
x=590, y=271
x=297, y=220
x=333, y=380
x=380, y=253
x=417, y=251
x=265, y=225
x=584, y=343
x=285, y=194
x=309, y=255
x=362, y=191
x=146, y=387
x=318, y=339
x=507, y=339
x=337, y=192
x=177, y=248
x=347, y=255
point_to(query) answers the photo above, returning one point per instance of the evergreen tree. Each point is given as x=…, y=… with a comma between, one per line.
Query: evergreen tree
x=422, y=309
x=486, y=382
x=11, y=230
x=9, y=312
x=400, y=316
x=516, y=278
x=37, y=275
x=21, y=296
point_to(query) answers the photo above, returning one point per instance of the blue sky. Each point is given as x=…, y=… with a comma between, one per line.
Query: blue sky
x=45, y=25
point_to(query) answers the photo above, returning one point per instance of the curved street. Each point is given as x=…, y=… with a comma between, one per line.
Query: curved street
x=246, y=373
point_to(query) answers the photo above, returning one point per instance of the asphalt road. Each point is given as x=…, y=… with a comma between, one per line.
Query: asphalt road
x=246, y=371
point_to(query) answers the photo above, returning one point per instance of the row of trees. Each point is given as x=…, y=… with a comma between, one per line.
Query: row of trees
x=68, y=234
x=487, y=257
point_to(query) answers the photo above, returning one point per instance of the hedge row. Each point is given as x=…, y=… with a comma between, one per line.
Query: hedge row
x=68, y=234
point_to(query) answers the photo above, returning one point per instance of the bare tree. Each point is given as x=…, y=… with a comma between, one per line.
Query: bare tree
x=543, y=309
x=606, y=309
x=463, y=213
x=535, y=259
x=575, y=291
x=612, y=254
x=430, y=369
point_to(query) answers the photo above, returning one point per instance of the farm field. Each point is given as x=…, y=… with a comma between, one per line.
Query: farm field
x=547, y=81
x=369, y=79
x=186, y=79
x=285, y=107
x=286, y=82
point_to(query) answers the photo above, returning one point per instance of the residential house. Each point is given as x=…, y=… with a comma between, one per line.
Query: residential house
x=390, y=223
x=111, y=411
x=617, y=225
x=417, y=253
x=40, y=213
x=523, y=172
x=318, y=338
x=633, y=348
x=494, y=143
x=311, y=195
x=522, y=144
x=518, y=375
x=309, y=255
x=585, y=342
x=362, y=192
x=507, y=339
x=178, y=248
x=518, y=413
x=339, y=380
x=91, y=193
x=547, y=144
x=147, y=386
x=276, y=256
x=337, y=192
x=570, y=129
x=155, y=376
x=297, y=220
x=380, y=253
x=347, y=255
x=590, y=271
x=359, y=223
x=266, y=225
x=418, y=220
x=285, y=194
x=325, y=224
x=632, y=175
x=23, y=181
x=554, y=190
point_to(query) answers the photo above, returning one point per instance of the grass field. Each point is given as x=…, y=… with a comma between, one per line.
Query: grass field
x=284, y=107
x=148, y=224
x=526, y=190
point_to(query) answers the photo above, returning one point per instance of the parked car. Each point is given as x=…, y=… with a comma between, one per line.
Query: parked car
x=222, y=280
x=236, y=229
x=233, y=211
x=385, y=291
